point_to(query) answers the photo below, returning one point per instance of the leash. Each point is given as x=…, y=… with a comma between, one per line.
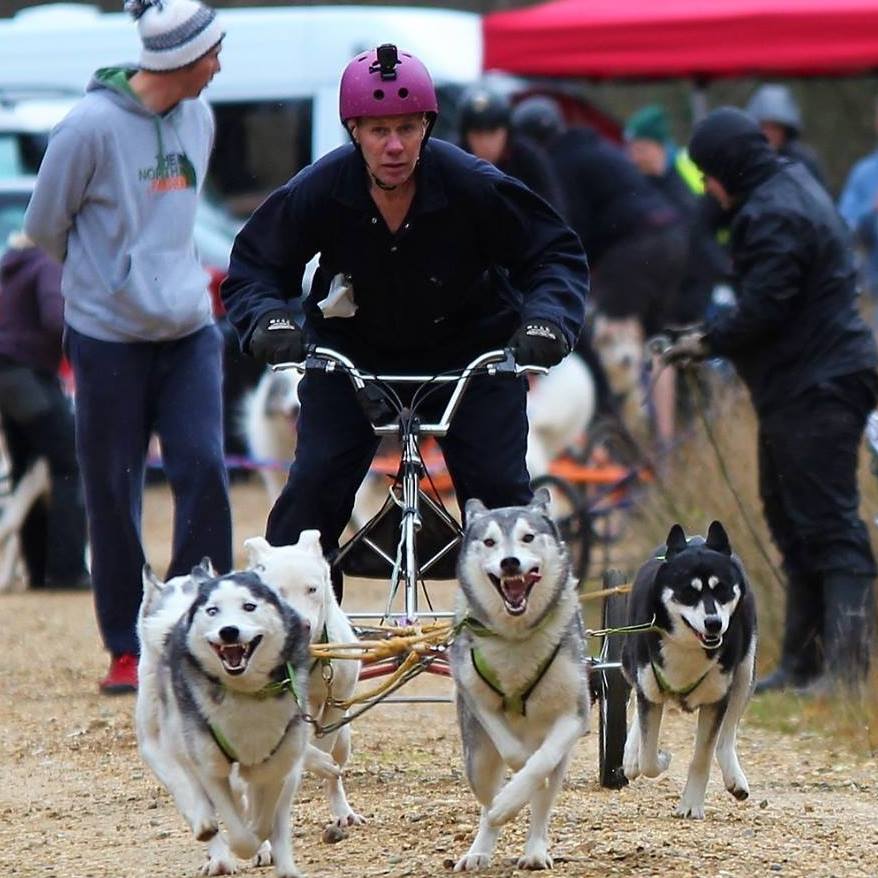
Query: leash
x=700, y=405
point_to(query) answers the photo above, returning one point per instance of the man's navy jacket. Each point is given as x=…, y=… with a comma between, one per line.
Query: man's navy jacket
x=477, y=255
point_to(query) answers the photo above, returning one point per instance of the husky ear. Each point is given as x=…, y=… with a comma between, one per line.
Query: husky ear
x=203, y=571
x=309, y=541
x=675, y=542
x=541, y=501
x=255, y=547
x=473, y=509
x=718, y=539
x=152, y=588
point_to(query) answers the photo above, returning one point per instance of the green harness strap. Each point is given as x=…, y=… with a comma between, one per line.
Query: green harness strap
x=665, y=686
x=517, y=701
x=270, y=690
x=324, y=638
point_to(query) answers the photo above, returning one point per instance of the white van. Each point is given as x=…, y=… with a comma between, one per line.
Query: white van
x=276, y=99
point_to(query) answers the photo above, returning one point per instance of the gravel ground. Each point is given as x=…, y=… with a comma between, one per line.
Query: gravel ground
x=75, y=799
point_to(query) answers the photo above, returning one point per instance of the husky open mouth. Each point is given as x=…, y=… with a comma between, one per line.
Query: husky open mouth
x=708, y=641
x=515, y=590
x=235, y=656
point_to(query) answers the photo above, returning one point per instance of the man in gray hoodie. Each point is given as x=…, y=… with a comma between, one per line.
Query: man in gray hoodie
x=115, y=201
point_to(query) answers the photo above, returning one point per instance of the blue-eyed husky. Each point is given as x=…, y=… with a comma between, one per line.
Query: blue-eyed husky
x=700, y=655
x=518, y=663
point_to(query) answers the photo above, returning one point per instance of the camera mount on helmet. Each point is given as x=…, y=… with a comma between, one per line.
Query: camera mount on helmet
x=387, y=59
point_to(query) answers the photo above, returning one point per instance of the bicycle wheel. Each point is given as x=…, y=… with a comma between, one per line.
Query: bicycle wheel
x=612, y=716
x=571, y=515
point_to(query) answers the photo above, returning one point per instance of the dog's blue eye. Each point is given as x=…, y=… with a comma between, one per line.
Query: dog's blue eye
x=249, y=608
x=212, y=611
x=489, y=542
x=527, y=538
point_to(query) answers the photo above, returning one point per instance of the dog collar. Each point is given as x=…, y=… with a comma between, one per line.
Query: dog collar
x=665, y=686
x=278, y=687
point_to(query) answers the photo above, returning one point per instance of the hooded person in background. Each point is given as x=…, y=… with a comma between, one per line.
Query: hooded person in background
x=809, y=361
x=674, y=174
x=115, y=201
x=775, y=109
x=37, y=415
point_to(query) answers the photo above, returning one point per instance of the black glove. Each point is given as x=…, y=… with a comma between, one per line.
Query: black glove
x=277, y=339
x=539, y=343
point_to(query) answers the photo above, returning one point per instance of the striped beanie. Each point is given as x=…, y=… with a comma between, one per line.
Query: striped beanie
x=173, y=33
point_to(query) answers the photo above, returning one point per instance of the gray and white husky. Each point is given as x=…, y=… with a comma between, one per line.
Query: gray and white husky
x=701, y=655
x=219, y=715
x=519, y=668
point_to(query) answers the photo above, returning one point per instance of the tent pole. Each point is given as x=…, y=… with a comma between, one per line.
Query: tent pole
x=698, y=99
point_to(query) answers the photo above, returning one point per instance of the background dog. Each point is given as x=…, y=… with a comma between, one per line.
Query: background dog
x=701, y=656
x=218, y=715
x=300, y=575
x=518, y=665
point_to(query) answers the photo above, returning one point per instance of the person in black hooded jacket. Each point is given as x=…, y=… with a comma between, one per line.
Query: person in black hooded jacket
x=809, y=361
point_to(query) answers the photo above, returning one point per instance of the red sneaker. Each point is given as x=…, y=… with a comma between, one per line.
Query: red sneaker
x=122, y=676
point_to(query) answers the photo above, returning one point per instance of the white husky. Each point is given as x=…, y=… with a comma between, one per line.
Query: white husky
x=300, y=574
x=219, y=716
x=519, y=667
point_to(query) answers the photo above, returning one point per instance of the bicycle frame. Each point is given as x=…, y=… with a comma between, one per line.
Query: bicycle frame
x=405, y=566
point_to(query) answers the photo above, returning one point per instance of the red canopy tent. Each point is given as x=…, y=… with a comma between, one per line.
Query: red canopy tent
x=692, y=38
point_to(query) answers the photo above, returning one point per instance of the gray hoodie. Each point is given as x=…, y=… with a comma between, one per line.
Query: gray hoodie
x=115, y=200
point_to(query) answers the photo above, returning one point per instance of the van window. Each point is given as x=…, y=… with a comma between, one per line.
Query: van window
x=259, y=146
x=21, y=153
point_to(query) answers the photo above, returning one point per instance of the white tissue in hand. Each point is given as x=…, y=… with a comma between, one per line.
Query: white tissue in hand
x=339, y=302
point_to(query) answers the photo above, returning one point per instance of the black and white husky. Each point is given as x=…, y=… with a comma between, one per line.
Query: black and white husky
x=518, y=665
x=700, y=655
x=220, y=703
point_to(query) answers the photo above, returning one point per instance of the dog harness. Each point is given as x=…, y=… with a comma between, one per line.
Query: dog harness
x=667, y=689
x=270, y=690
x=515, y=702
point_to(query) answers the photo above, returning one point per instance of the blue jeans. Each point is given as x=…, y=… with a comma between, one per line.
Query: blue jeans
x=125, y=392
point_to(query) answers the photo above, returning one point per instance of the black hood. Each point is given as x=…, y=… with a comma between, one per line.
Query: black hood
x=728, y=145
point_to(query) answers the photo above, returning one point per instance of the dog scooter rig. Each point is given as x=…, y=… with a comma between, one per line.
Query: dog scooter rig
x=413, y=537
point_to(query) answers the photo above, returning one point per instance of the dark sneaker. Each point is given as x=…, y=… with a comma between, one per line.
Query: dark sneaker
x=122, y=676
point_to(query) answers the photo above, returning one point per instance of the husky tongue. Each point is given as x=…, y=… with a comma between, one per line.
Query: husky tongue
x=233, y=655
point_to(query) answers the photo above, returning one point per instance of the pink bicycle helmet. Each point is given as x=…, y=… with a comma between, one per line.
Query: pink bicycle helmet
x=386, y=82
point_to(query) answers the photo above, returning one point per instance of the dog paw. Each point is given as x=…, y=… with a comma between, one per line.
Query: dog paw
x=505, y=806
x=321, y=764
x=244, y=844
x=740, y=790
x=660, y=766
x=205, y=830
x=263, y=855
x=631, y=768
x=535, y=860
x=689, y=810
x=351, y=818
x=473, y=862
x=219, y=866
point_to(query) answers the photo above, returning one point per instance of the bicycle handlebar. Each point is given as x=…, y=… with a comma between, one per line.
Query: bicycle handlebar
x=497, y=362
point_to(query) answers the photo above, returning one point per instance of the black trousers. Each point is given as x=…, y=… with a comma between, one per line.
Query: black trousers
x=484, y=449
x=38, y=422
x=808, y=456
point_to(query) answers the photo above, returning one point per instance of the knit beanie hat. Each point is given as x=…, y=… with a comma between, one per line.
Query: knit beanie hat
x=174, y=33
x=649, y=123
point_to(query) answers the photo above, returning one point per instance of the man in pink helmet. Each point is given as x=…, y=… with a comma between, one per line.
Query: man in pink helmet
x=428, y=257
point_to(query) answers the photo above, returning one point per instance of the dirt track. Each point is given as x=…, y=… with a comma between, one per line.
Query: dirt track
x=75, y=799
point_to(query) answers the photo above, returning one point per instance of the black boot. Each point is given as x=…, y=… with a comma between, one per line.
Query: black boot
x=801, y=658
x=848, y=627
